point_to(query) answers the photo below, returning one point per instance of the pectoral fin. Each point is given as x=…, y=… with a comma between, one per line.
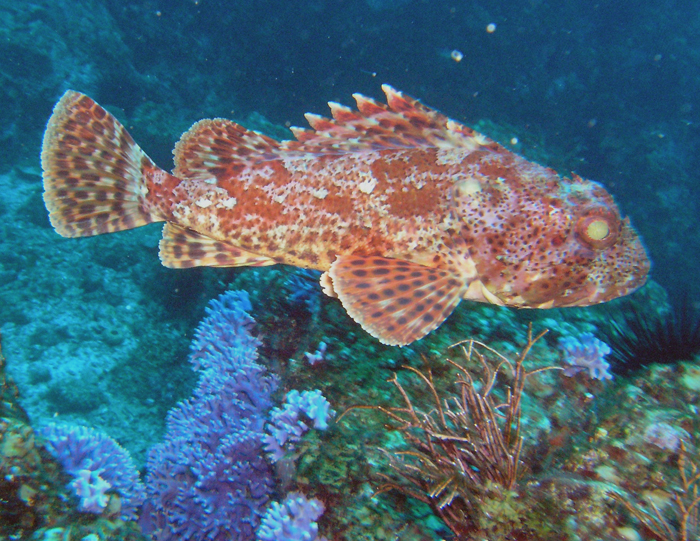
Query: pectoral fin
x=396, y=301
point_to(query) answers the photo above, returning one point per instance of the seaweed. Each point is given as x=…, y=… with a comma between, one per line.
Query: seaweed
x=464, y=456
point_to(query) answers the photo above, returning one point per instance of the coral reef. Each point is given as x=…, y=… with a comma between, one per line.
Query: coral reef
x=464, y=455
x=292, y=520
x=36, y=501
x=100, y=468
x=287, y=426
x=209, y=478
x=643, y=448
x=586, y=353
x=476, y=442
x=684, y=501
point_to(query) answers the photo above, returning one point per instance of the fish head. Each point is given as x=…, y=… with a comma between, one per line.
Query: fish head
x=538, y=240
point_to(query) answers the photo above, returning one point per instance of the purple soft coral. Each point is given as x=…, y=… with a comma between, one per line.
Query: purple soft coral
x=586, y=353
x=292, y=520
x=319, y=356
x=209, y=479
x=98, y=465
x=286, y=426
x=92, y=490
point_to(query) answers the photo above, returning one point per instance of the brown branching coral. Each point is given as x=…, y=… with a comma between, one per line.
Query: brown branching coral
x=685, y=502
x=464, y=457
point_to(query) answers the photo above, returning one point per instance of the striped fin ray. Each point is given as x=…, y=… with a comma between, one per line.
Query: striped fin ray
x=182, y=248
x=95, y=175
x=218, y=148
x=395, y=301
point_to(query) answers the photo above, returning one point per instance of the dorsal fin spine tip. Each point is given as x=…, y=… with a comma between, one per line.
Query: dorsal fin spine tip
x=400, y=122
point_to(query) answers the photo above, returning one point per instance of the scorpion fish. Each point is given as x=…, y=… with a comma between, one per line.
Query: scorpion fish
x=406, y=211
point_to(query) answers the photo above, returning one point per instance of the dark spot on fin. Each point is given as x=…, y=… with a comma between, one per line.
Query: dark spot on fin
x=182, y=248
x=380, y=294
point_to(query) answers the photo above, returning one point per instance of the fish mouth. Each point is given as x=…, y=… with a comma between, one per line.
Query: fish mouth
x=600, y=284
x=604, y=284
x=596, y=291
x=620, y=290
x=593, y=293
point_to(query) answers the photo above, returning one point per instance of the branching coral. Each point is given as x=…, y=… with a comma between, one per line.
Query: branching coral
x=287, y=426
x=585, y=353
x=292, y=520
x=209, y=478
x=99, y=467
x=464, y=452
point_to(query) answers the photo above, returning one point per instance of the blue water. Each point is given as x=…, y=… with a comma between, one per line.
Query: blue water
x=95, y=331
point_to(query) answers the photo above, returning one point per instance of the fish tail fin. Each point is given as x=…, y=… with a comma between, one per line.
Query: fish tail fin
x=95, y=175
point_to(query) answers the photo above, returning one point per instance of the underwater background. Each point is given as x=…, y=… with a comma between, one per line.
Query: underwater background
x=100, y=342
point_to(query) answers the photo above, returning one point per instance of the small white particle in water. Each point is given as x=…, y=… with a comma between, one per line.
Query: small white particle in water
x=457, y=55
x=491, y=28
x=514, y=141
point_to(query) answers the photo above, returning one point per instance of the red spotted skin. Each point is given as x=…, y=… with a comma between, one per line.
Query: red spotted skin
x=505, y=225
x=306, y=210
x=525, y=226
x=407, y=210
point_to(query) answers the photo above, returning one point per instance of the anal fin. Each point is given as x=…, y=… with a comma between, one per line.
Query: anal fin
x=396, y=301
x=182, y=248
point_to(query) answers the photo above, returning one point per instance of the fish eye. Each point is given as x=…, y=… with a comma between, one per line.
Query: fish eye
x=598, y=227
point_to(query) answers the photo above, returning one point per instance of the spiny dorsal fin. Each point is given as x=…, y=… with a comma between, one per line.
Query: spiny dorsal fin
x=219, y=148
x=396, y=301
x=403, y=123
x=182, y=248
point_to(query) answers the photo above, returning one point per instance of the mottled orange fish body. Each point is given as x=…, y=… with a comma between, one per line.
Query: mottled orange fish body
x=405, y=211
x=305, y=211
